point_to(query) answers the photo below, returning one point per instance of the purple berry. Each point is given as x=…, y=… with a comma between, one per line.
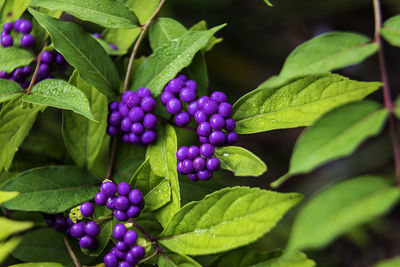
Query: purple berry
x=213, y=164
x=193, y=177
x=47, y=57
x=77, y=230
x=61, y=60
x=143, y=92
x=129, y=258
x=175, y=85
x=217, y=122
x=225, y=109
x=7, y=27
x=166, y=96
x=204, y=129
x=199, y=164
x=114, y=118
x=60, y=224
x=179, y=167
x=27, y=40
x=200, y=116
x=131, y=99
x=150, y=121
x=133, y=211
x=86, y=242
x=174, y=106
x=92, y=229
x=210, y=107
x=182, y=119
x=217, y=138
x=182, y=77
x=6, y=40
x=148, y=137
x=110, y=260
x=126, y=124
x=120, y=215
x=4, y=75
x=43, y=70
x=25, y=26
x=17, y=23
x=27, y=70
x=24, y=84
x=203, y=139
x=202, y=100
x=112, y=131
x=122, y=203
x=120, y=254
x=135, y=196
x=193, y=152
x=18, y=74
x=130, y=237
x=121, y=246
x=87, y=209
x=123, y=109
x=113, y=106
x=231, y=138
x=230, y=124
x=137, y=252
x=123, y=189
x=207, y=150
x=125, y=138
x=218, y=97
x=187, y=94
x=148, y=104
x=100, y=199
x=119, y=231
x=204, y=175
x=136, y=114
x=113, y=46
x=96, y=35
x=187, y=166
x=108, y=188
x=137, y=128
x=191, y=85
x=134, y=139
x=182, y=153
x=192, y=108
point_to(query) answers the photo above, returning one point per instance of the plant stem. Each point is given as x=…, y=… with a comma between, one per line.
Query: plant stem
x=71, y=252
x=145, y=27
x=140, y=229
x=386, y=87
x=38, y=60
x=112, y=158
x=149, y=257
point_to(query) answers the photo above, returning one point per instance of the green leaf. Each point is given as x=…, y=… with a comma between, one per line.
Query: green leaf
x=166, y=62
x=9, y=90
x=38, y=264
x=46, y=245
x=226, y=219
x=156, y=189
x=107, y=13
x=142, y=9
x=197, y=71
x=51, y=189
x=336, y=134
x=296, y=104
x=164, y=30
x=340, y=208
x=59, y=94
x=394, y=262
x=397, y=108
x=102, y=238
x=123, y=38
x=15, y=124
x=83, y=52
x=202, y=26
x=83, y=138
x=268, y=2
x=170, y=259
x=240, y=161
x=13, y=10
x=12, y=58
x=7, y=247
x=322, y=54
x=9, y=227
x=4, y=196
x=108, y=49
x=163, y=163
x=391, y=30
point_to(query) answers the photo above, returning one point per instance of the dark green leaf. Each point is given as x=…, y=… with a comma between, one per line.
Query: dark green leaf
x=15, y=124
x=240, y=161
x=83, y=52
x=9, y=90
x=163, y=163
x=336, y=134
x=170, y=259
x=51, y=189
x=165, y=63
x=340, y=208
x=391, y=30
x=322, y=54
x=83, y=138
x=107, y=13
x=38, y=264
x=226, y=219
x=197, y=71
x=394, y=262
x=9, y=227
x=12, y=58
x=163, y=31
x=296, y=104
x=59, y=94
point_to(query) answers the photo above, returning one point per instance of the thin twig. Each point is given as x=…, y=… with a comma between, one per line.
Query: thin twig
x=137, y=44
x=112, y=158
x=140, y=229
x=38, y=59
x=71, y=252
x=149, y=257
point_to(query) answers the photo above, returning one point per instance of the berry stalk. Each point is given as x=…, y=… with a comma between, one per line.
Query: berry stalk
x=71, y=252
x=35, y=73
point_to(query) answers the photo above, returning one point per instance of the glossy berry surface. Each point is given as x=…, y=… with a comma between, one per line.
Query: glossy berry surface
x=7, y=40
x=130, y=237
x=27, y=40
x=119, y=231
x=92, y=229
x=135, y=196
x=108, y=188
x=87, y=209
x=123, y=189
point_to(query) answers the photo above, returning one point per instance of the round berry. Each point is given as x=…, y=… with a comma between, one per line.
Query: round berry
x=179, y=167
x=182, y=77
x=27, y=40
x=112, y=131
x=207, y=150
x=174, y=106
x=47, y=57
x=123, y=109
x=96, y=35
x=131, y=99
x=87, y=209
x=114, y=118
x=113, y=106
x=182, y=153
x=119, y=231
x=148, y=104
x=27, y=70
x=187, y=94
x=187, y=166
x=120, y=254
x=123, y=189
x=129, y=258
x=231, y=138
x=217, y=138
x=150, y=121
x=18, y=74
x=137, y=128
x=203, y=139
x=182, y=119
x=217, y=122
x=126, y=124
x=225, y=109
x=92, y=229
x=204, y=174
x=210, y=107
x=213, y=164
x=148, y=137
x=60, y=224
x=77, y=230
x=133, y=211
x=193, y=152
x=108, y=188
x=121, y=246
x=122, y=203
x=175, y=85
x=134, y=139
x=136, y=114
x=137, y=252
x=110, y=260
x=86, y=242
x=44, y=69
x=4, y=75
x=120, y=215
x=125, y=138
x=202, y=100
x=100, y=199
x=199, y=164
x=204, y=129
x=24, y=85
x=192, y=108
x=130, y=237
x=113, y=46
x=25, y=26
x=166, y=96
x=193, y=177
x=60, y=60
x=17, y=23
x=6, y=40
x=218, y=97
x=200, y=116
x=7, y=27
x=191, y=85
x=135, y=196
x=143, y=92
x=230, y=124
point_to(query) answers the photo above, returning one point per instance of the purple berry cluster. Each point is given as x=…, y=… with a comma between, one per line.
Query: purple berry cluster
x=58, y=221
x=126, y=252
x=133, y=117
x=22, y=26
x=215, y=127
x=98, y=36
x=20, y=75
x=127, y=204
